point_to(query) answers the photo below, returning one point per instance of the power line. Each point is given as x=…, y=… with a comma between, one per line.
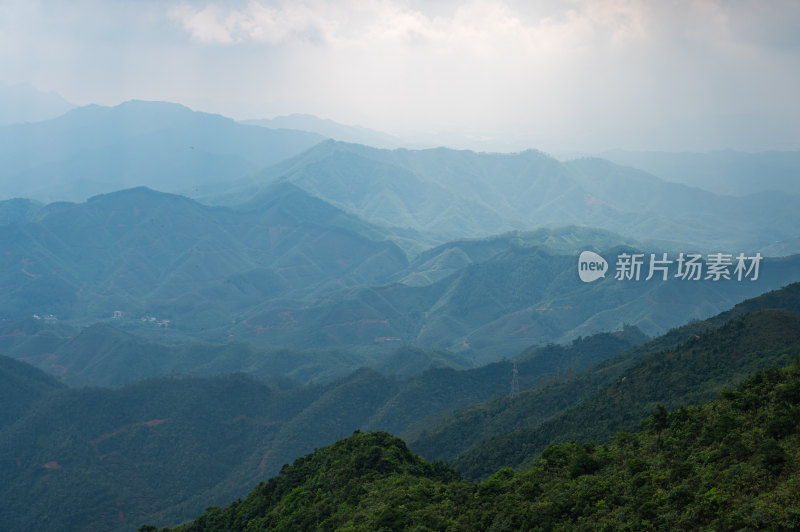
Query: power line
x=514, y=381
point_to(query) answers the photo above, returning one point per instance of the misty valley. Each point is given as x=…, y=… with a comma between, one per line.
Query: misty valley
x=293, y=324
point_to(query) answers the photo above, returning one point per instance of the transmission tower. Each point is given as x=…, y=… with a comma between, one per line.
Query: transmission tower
x=514, y=380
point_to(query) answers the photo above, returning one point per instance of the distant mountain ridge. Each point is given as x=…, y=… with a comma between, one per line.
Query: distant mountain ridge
x=724, y=172
x=92, y=150
x=25, y=103
x=330, y=129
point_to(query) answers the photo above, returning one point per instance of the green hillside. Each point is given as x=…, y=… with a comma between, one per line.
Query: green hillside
x=99, y=459
x=525, y=293
x=87, y=454
x=20, y=386
x=162, y=450
x=439, y=391
x=487, y=309
x=689, y=374
x=144, y=253
x=732, y=463
x=471, y=431
x=440, y=261
x=102, y=355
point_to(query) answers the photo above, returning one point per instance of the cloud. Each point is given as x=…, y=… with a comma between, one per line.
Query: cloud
x=479, y=26
x=256, y=22
x=549, y=69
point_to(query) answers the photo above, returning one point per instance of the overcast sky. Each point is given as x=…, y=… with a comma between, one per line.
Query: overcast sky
x=558, y=75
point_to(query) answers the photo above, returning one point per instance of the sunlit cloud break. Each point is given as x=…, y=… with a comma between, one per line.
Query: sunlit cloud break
x=480, y=26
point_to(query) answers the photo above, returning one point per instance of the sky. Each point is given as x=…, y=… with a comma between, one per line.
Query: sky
x=566, y=76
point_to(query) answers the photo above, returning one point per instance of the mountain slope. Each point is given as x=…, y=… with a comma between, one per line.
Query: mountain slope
x=21, y=385
x=18, y=210
x=105, y=458
x=438, y=391
x=160, y=436
x=729, y=464
x=112, y=446
x=289, y=269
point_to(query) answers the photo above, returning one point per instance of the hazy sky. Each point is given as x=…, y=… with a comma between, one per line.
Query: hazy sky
x=559, y=75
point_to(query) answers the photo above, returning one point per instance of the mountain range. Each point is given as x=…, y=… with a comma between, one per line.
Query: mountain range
x=290, y=270
x=136, y=250
x=449, y=194
x=619, y=391
x=190, y=303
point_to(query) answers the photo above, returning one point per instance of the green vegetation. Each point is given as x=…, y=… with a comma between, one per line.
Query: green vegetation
x=688, y=374
x=729, y=464
x=213, y=437
x=20, y=386
x=99, y=459
x=161, y=450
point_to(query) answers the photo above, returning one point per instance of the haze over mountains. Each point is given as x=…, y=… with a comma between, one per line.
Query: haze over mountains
x=330, y=129
x=24, y=103
x=243, y=295
x=288, y=269
x=288, y=261
x=391, y=265
x=726, y=172
x=456, y=194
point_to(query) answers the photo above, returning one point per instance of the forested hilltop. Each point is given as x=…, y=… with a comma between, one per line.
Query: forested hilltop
x=729, y=464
